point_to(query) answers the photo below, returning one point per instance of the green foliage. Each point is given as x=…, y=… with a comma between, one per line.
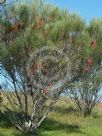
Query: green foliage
x=55, y=27
x=38, y=25
x=95, y=31
x=6, y=26
x=24, y=14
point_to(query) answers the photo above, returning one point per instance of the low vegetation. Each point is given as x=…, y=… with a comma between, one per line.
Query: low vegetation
x=64, y=120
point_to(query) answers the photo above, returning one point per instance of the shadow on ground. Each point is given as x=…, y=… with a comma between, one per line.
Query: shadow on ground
x=4, y=122
x=48, y=125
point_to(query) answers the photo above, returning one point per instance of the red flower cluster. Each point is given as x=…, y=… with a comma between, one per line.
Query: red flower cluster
x=39, y=23
x=88, y=65
x=90, y=61
x=17, y=27
x=35, y=68
x=45, y=91
x=93, y=44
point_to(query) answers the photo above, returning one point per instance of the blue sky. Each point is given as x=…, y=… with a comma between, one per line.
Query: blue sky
x=88, y=9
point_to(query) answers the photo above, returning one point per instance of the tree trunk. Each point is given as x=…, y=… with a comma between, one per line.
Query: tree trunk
x=87, y=112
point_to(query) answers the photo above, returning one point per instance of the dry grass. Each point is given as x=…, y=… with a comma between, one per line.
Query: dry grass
x=64, y=120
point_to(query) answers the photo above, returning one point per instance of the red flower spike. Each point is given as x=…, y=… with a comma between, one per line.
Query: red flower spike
x=87, y=68
x=38, y=66
x=90, y=61
x=93, y=44
x=45, y=91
